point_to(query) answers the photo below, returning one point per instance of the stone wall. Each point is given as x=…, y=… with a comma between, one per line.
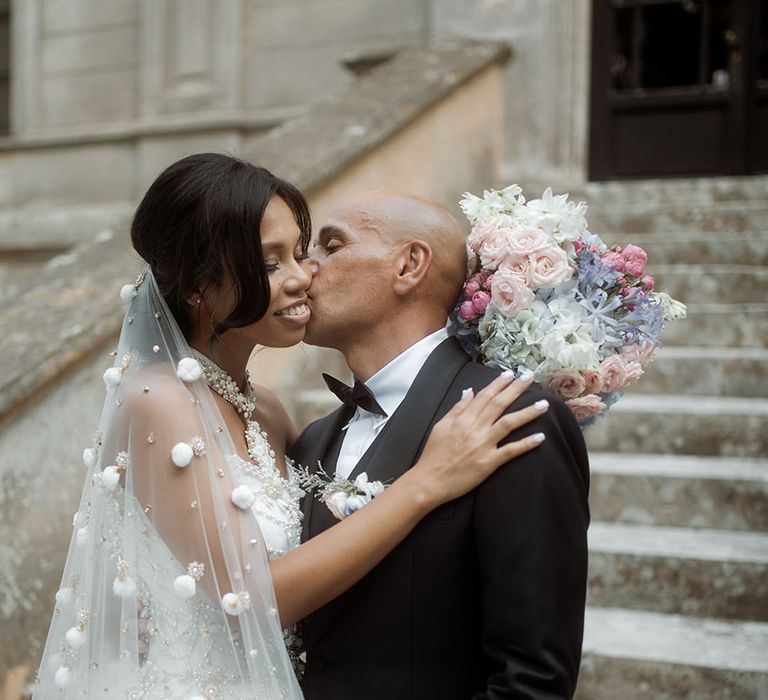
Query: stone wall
x=106, y=91
x=412, y=124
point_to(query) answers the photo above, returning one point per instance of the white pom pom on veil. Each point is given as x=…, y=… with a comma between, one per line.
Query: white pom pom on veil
x=166, y=591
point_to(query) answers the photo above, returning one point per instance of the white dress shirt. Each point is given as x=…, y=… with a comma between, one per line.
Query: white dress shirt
x=389, y=386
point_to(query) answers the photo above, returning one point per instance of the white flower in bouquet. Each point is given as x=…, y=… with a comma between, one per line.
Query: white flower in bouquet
x=672, y=309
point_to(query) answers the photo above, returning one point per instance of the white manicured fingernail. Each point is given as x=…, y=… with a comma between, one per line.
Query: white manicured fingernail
x=525, y=376
x=542, y=405
x=507, y=374
x=467, y=394
x=538, y=437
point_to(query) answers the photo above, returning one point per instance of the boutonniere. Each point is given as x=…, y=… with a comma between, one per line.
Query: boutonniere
x=342, y=496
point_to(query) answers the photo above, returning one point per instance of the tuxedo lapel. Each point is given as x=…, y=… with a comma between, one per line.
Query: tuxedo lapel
x=314, y=454
x=396, y=447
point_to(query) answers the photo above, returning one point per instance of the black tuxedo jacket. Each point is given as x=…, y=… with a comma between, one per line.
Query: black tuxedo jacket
x=485, y=598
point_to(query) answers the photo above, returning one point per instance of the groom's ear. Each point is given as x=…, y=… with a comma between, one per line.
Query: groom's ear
x=413, y=263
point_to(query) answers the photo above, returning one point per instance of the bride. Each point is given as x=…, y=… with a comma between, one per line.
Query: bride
x=185, y=577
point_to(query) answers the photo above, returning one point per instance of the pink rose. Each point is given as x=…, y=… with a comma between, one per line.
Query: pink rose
x=648, y=283
x=565, y=383
x=509, y=292
x=614, y=372
x=548, y=267
x=527, y=240
x=635, y=252
x=634, y=372
x=634, y=267
x=585, y=406
x=479, y=301
x=642, y=353
x=467, y=311
x=490, y=241
x=615, y=260
x=593, y=380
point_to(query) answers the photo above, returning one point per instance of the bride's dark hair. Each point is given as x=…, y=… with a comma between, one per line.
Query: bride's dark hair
x=200, y=219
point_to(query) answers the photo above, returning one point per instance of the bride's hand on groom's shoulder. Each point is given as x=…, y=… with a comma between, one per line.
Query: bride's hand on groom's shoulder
x=464, y=447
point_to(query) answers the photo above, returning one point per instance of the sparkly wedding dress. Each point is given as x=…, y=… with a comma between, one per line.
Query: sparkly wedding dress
x=166, y=591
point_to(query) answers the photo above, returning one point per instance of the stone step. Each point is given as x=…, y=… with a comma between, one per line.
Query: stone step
x=667, y=424
x=737, y=248
x=725, y=493
x=638, y=655
x=702, y=572
x=696, y=191
x=750, y=215
x=721, y=325
x=706, y=371
x=724, y=284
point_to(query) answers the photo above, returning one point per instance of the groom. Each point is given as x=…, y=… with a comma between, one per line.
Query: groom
x=485, y=598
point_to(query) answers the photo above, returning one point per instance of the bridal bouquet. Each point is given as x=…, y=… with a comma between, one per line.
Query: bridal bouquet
x=546, y=295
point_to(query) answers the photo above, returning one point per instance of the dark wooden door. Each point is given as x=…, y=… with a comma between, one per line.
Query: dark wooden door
x=679, y=88
x=5, y=62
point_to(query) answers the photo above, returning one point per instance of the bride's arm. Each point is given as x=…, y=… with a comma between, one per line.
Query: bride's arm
x=182, y=502
x=461, y=452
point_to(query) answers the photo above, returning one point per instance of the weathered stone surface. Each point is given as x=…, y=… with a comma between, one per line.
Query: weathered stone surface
x=706, y=573
x=703, y=371
x=52, y=325
x=725, y=216
x=330, y=138
x=721, y=325
x=706, y=247
x=718, y=283
x=694, y=192
x=683, y=491
x=659, y=424
x=637, y=655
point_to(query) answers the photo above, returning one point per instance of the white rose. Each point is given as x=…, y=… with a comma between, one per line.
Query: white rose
x=336, y=503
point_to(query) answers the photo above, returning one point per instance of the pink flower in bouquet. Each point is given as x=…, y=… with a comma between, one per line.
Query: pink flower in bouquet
x=634, y=372
x=467, y=310
x=635, y=252
x=619, y=371
x=524, y=241
x=585, y=406
x=473, y=285
x=548, y=267
x=480, y=301
x=593, y=380
x=490, y=241
x=509, y=292
x=648, y=283
x=565, y=383
x=615, y=260
x=642, y=353
x=634, y=267
x=578, y=245
x=614, y=372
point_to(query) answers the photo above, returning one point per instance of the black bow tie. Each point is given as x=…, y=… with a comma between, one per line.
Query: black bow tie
x=358, y=395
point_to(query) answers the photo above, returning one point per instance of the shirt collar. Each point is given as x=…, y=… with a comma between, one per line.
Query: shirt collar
x=391, y=383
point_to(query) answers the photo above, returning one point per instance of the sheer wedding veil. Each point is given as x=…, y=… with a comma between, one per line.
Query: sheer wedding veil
x=166, y=590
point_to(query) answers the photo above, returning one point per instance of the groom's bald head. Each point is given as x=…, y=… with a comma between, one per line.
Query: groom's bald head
x=399, y=218
x=385, y=259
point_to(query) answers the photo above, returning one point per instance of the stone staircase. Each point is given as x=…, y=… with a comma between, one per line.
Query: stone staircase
x=678, y=589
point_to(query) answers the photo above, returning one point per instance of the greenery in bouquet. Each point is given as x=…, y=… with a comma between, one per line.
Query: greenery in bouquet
x=546, y=295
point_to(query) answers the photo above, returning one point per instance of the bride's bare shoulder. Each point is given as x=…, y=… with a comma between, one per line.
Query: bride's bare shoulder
x=155, y=387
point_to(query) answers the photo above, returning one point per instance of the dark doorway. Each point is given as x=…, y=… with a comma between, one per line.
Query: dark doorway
x=679, y=88
x=5, y=65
